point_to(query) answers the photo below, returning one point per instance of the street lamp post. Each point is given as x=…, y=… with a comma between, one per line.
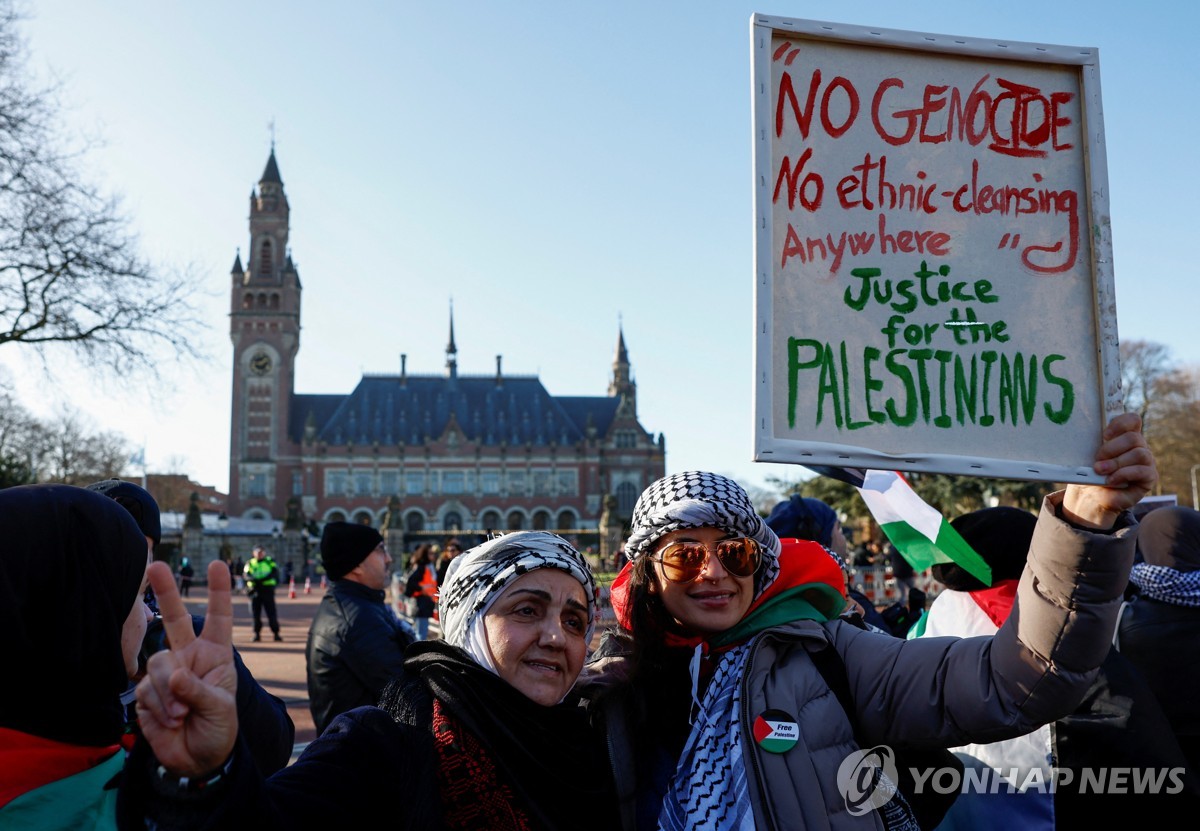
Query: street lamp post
x=223, y=554
x=1195, y=493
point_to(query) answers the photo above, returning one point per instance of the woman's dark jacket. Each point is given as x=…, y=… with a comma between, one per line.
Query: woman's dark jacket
x=378, y=763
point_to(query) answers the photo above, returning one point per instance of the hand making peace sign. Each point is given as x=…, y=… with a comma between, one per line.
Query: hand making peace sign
x=186, y=703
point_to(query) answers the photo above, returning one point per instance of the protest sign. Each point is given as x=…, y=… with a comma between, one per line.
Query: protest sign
x=933, y=266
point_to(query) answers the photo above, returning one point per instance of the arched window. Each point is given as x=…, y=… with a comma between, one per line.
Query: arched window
x=262, y=300
x=541, y=520
x=566, y=519
x=414, y=521
x=248, y=301
x=516, y=521
x=336, y=516
x=265, y=263
x=275, y=300
x=627, y=496
x=363, y=517
x=491, y=520
x=452, y=522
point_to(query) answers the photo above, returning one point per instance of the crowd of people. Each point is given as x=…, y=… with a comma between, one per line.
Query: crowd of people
x=744, y=684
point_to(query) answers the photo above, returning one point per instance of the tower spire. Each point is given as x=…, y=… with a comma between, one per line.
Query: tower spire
x=622, y=384
x=451, y=349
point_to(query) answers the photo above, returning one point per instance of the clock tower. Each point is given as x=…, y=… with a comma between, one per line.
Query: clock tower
x=264, y=325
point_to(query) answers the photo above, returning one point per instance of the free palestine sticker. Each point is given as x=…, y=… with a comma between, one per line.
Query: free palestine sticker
x=776, y=731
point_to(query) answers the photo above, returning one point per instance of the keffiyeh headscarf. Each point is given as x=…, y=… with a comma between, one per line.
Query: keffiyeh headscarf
x=695, y=499
x=1169, y=542
x=479, y=575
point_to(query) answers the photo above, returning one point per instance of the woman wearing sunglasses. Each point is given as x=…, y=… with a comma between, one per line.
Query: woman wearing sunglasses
x=741, y=693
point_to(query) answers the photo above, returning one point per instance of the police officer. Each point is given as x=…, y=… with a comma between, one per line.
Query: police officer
x=262, y=575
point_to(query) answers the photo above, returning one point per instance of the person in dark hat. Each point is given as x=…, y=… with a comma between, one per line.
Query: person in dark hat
x=807, y=518
x=1160, y=626
x=72, y=577
x=263, y=718
x=355, y=643
x=137, y=501
x=1118, y=725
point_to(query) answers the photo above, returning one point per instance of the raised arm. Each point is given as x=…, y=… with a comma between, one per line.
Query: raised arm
x=186, y=703
x=1042, y=660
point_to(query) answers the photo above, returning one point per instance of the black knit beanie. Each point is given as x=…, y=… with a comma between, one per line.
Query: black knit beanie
x=1001, y=536
x=346, y=544
x=137, y=501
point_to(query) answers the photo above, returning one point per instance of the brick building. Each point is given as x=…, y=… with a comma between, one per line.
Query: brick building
x=418, y=453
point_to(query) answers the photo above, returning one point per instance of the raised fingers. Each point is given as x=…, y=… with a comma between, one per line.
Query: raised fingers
x=218, y=620
x=177, y=622
x=1123, y=423
x=155, y=698
x=1125, y=458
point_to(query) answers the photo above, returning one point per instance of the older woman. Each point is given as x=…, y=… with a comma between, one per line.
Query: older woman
x=729, y=716
x=481, y=733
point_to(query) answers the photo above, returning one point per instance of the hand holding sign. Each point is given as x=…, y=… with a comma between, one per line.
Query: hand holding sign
x=1128, y=465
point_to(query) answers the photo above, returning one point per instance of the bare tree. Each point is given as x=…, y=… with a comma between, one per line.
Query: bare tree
x=1145, y=365
x=73, y=455
x=1175, y=431
x=70, y=271
x=19, y=442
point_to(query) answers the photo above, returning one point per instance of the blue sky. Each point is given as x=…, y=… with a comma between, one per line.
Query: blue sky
x=552, y=167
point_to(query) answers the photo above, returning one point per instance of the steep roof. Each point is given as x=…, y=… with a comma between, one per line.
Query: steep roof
x=271, y=171
x=385, y=410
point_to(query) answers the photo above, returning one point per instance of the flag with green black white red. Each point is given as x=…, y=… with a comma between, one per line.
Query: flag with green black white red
x=775, y=731
x=918, y=530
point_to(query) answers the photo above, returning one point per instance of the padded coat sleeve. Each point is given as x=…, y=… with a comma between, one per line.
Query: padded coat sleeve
x=1038, y=666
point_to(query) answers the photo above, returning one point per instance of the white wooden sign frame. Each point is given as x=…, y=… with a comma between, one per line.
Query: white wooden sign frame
x=841, y=342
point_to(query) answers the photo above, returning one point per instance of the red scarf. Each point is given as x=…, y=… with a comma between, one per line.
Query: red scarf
x=997, y=601
x=28, y=762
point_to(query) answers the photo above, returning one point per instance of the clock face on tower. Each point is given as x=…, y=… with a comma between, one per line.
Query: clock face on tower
x=260, y=363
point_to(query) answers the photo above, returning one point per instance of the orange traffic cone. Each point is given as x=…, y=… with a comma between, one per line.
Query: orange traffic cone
x=292, y=588
x=308, y=585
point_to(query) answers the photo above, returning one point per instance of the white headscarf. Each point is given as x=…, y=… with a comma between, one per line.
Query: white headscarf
x=479, y=575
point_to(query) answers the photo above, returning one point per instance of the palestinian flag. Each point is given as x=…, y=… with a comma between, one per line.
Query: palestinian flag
x=918, y=530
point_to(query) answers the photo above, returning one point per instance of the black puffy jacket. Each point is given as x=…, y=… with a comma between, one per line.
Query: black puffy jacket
x=1161, y=640
x=355, y=647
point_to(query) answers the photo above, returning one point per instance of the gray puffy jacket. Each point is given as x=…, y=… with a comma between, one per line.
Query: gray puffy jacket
x=929, y=692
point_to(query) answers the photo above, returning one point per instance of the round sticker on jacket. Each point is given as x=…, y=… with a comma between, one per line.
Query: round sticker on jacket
x=776, y=731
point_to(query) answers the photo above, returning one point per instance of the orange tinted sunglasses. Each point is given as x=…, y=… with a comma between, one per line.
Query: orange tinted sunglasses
x=682, y=562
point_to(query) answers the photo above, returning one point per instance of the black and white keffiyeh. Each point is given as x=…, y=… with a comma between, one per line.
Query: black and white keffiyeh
x=696, y=499
x=479, y=575
x=709, y=788
x=1179, y=588
x=1169, y=541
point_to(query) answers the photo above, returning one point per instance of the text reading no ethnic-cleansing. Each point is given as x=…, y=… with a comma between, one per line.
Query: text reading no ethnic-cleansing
x=878, y=203
x=963, y=370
